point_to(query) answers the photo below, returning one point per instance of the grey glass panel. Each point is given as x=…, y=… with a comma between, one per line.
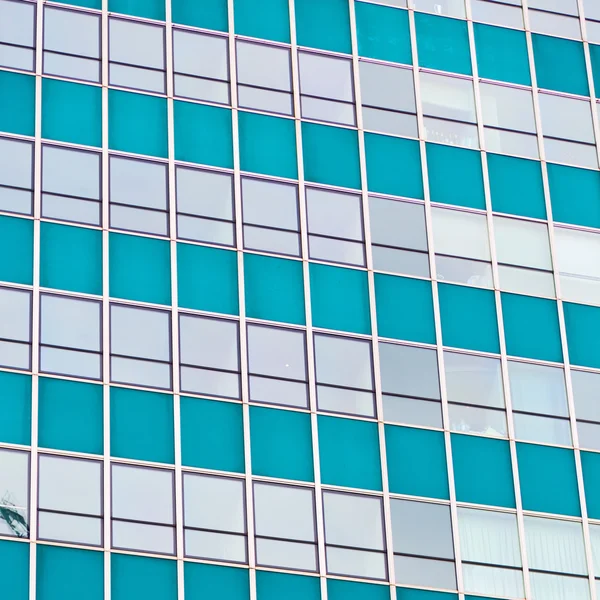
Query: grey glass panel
x=566, y=7
x=16, y=163
x=328, y=110
x=70, y=528
x=589, y=435
x=264, y=66
x=138, y=183
x=14, y=493
x=70, y=362
x=493, y=580
x=218, y=546
x=141, y=372
x=499, y=14
x=387, y=87
x=271, y=240
x=358, y=563
x=87, y=69
x=501, y=141
x=322, y=248
x=545, y=430
x=409, y=371
x=451, y=132
x=507, y=107
x=449, y=8
x=553, y=24
x=340, y=400
x=270, y=203
x=214, y=383
x=474, y=419
x=202, y=89
x=591, y=9
x=425, y=572
x=549, y=585
x=17, y=23
x=276, y=391
x=209, y=342
x=325, y=76
x=572, y=153
x=268, y=100
x=398, y=224
x=334, y=214
x=276, y=352
x=148, y=49
x=139, y=219
x=72, y=32
x=205, y=193
x=15, y=315
x=448, y=97
x=201, y=55
x=566, y=118
x=15, y=355
x=136, y=77
x=288, y=555
x=586, y=393
x=144, y=537
x=461, y=270
x=411, y=411
x=16, y=57
x=390, y=122
x=205, y=230
x=17, y=201
x=141, y=333
x=71, y=172
x=400, y=261
x=537, y=388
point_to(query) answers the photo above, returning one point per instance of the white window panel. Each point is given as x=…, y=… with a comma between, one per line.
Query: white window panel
x=459, y=233
x=522, y=243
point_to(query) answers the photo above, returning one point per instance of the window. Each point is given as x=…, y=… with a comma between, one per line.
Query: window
x=17, y=35
x=139, y=64
x=285, y=527
x=591, y=9
x=205, y=206
x=70, y=336
x=450, y=8
x=423, y=548
x=16, y=176
x=143, y=514
x=555, y=17
x=72, y=44
x=138, y=196
x=214, y=518
x=264, y=77
x=507, y=14
x=270, y=214
x=277, y=366
x=140, y=346
x=587, y=408
x=201, y=66
x=70, y=500
x=354, y=538
x=15, y=328
x=210, y=361
x=14, y=493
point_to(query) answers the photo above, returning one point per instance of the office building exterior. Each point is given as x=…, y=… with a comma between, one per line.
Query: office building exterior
x=299, y=299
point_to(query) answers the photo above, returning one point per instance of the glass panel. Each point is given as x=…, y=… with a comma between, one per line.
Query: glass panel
x=538, y=389
x=459, y=233
x=264, y=66
x=200, y=55
x=388, y=87
x=325, y=76
x=209, y=342
x=522, y=243
x=138, y=183
x=276, y=352
x=14, y=493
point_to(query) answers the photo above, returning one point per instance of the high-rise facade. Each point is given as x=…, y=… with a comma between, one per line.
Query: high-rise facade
x=299, y=300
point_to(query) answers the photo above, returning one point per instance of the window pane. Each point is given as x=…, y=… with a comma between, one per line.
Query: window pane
x=566, y=118
x=325, y=77
x=264, y=66
x=71, y=172
x=538, y=389
x=522, y=243
x=388, y=87
x=586, y=393
x=138, y=183
x=205, y=193
x=276, y=352
x=200, y=55
x=148, y=49
x=209, y=342
x=398, y=224
x=334, y=214
x=16, y=171
x=459, y=233
x=15, y=315
x=448, y=97
x=14, y=493
x=270, y=204
x=507, y=108
x=411, y=570
x=72, y=32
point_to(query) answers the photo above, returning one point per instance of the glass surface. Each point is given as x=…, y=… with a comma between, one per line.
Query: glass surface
x=493, y=580
x=566, y=118
x=473, y=419
x=507, y=107
x=288, y=555
x=71, y=172
x=264, y=66
x=411, y=570
x=522, y=243
x=144, y=537
x=148, y=50
x=204, y=193
x=411, y=411
x=16, y=166
x=447, y=97
x=270, y=203
x=449, y=8
x=388, y=87
x=325, y=76
x=14, y=493
x=460, y=270
x=357, y=563
x=586, y=394
x=538, y=388
x=268, y=100
x=69, y=528
x=458, y=233
x=15, y=315
x=17, y=23
x=216, y=546
x=277, y=391
x=276, y=352
x=200, y=55
x=544, y=430
x=334, y=214
x=72, y=32
x=498, y=14
x=138, y=183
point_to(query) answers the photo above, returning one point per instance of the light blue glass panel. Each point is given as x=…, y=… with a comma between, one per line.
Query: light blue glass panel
x=410, y=594
x=323, y=24
x=149, y=9
x=208, y=14
x=212, y=582
x=583, y=332
x=595, y=58
x=267, y=19
x=276, y=586
x=141, y=577
x=96, y=4
x=338, y=589
x=590, y=462
x=15, y=408
x=17, y=103
x=14, y=558
x=15, y=233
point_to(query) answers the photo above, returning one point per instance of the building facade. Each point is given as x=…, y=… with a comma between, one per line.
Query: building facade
x=299, y=300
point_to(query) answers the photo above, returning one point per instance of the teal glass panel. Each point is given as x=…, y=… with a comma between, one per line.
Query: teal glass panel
x=203, y=134
x=590, y=463
x=71, y=112
x=207, y=279
x=482, y=471
x=213, y=582
x=69, y=574
x=137, y=123
x=208, y=14
x=560, y=64
x=531, y=327
x=516, y=186
x=330, y=155
x=323, y=24
x=502, y=54
x=339, y=298
x=337, y=589
x=14, y=558
x=16, y=233
x=548, y=479
x=275, y=586
x=468, y=318
x=274, y=289
x=411, y=594
x=267, y=19
x=149, y=9
x=383, y=33
x=349, y=453
x=96, y=4
x=443, y=43
x=268, y=144
x=140, y=268
x=582, y=323
x=455, y=176
x=212, y=435
x=404, y=308
x=17, y=103
x=281, y=444
x=416, y=460
x=70, y=416
x=567, y=183
x=15, y=408
x=595, y=58
x=141, y=425
x=393, y=165
x=141, y=577
x=71, y=258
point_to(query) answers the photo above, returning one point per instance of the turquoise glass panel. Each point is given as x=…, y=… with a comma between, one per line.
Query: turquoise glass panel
x=339, y=298
x=416, y=460
x=14, y=558
x=583, y=332
x=531, y=327
x=338, y=589
x=393, y=166
x=323, y=24
x=482, y=471
x=276, y=586
x=15, y=408
x=281, y=444
x=267, y=19
x=17, y=103
x=502, y=54
x=455, y=176
x=443, y=43
x=516, y=186
x=567, y=183
x=212, y=582
x=212, y=435
x=203, y=134
x=468, y=318
x=349, y=453
x=595, y=58
x=141, y=425
x=16, y=233
x=411, y=594
x=331, y=155
x=404, y=308
x=268, y=145
x=383, y=33
x=274, y=289
x=590, y=462
x=71, y=258
x=96, y=4
x=207, y=279
x=140, y=268
x=69, y=574
x=71, y=112
x=560, y=64
x=141, y=577
x=548, y=479
x=137, y=123
x=208, y=14
x=149, y=9
x=70, y=416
